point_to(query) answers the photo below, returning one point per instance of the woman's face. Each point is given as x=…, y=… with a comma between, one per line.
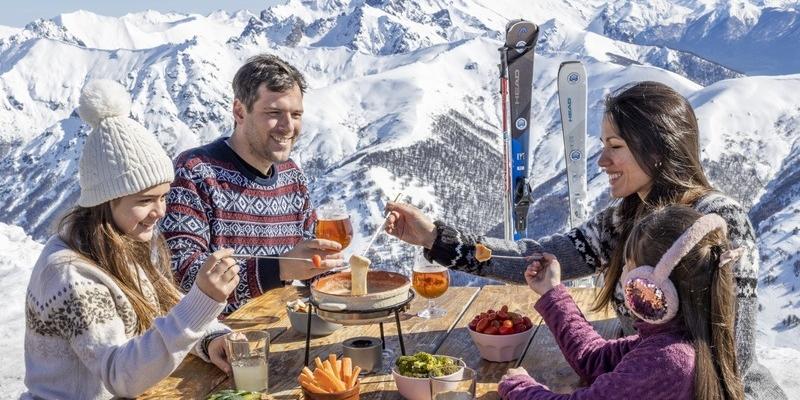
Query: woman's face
x=624, y=174
x=136, y=215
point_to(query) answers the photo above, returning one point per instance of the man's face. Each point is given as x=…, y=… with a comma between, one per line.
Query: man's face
x=273, y=125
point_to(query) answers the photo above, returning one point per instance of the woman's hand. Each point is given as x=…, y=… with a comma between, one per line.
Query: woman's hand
x=218, y=355
x=219, y=275
x=543, y=273
x=410, y=225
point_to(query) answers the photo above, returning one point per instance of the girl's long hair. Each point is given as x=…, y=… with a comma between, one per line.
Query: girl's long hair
x=90, y=231
x=660, y=129
x=706, y=294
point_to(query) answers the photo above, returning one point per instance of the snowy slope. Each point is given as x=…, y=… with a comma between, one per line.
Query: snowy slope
x=18, y=253
x=6, y=31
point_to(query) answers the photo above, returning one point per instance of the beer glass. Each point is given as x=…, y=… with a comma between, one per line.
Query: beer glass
x=333, y=223
x=430, y=281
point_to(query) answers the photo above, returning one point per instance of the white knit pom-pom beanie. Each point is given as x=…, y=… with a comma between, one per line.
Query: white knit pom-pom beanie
x=119, y=157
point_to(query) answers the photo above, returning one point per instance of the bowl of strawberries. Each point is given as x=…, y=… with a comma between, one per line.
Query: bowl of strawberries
x=500, y=335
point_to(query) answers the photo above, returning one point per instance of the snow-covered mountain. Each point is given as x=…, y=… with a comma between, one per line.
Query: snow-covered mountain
x=404, y=98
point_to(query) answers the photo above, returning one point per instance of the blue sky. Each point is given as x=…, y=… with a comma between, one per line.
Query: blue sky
x=18, y=13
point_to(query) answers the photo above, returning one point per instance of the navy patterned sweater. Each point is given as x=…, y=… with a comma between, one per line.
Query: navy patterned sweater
x=586, y=250
x=217, y=201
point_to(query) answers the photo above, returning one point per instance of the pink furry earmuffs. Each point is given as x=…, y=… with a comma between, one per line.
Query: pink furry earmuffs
x=649, y=293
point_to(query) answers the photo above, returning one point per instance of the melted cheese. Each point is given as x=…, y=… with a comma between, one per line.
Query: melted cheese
x=359, y=267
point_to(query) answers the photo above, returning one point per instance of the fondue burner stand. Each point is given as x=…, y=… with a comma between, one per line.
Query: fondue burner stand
x=351, y=317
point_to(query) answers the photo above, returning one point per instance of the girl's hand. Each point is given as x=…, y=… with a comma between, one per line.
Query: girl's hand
x=219, y=275
x=543, y=273
x=515, y=371
x=218, y=355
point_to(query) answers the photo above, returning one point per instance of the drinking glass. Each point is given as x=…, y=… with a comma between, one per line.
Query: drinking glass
x=333, y=223
x=248, y=353
x=459, y=386
x=430, y=281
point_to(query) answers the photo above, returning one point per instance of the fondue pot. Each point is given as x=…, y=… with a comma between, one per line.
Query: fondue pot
x=386, y=292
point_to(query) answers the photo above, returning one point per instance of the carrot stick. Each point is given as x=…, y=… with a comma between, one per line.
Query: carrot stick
x=332, y=361
x=354, y=377
x=347, y=369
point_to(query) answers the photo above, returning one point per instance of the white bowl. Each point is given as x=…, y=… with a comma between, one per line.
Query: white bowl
x=420, y=388
x=501, y=348
x=319, y=327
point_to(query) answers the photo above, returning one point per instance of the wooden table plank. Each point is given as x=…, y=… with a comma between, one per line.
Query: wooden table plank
x=519, y=299
x=544, y=360
x=420, y=335
x=194, y=378
x=288, y=351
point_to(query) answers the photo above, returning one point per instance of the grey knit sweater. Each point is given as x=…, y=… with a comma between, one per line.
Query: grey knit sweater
x=587, y=249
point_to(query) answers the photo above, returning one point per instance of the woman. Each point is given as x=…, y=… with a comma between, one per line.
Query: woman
x=651, y=153
x=103, y=315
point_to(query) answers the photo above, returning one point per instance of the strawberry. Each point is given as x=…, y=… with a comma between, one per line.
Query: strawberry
x=482, y=325
x=492, y=330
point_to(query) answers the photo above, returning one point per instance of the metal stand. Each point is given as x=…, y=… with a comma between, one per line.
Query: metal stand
x=389, y=310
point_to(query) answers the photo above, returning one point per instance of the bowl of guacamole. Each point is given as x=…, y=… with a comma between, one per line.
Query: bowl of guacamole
x=412, y=373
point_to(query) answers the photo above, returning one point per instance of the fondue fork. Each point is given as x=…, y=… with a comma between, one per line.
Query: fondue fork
x=517, y=257
x=344, y=266
x=380, y=228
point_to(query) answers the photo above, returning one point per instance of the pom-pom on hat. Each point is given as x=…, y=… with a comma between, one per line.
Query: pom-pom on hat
x=119, y=157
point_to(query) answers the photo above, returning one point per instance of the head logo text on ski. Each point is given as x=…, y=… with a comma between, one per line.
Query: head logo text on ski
x=574, y=78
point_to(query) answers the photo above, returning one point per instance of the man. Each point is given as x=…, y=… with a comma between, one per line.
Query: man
x=244, y=192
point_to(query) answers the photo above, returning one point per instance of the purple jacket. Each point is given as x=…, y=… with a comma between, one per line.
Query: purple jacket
x=656, y=364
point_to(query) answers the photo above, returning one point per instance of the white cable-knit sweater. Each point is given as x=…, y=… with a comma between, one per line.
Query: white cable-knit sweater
x=80, y=341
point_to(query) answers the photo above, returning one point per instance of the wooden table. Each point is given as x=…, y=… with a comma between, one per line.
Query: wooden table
x=195, y=379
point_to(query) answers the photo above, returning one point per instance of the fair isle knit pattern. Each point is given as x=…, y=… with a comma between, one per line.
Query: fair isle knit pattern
x=80, y=336
x=587, y=249
x=217, y=202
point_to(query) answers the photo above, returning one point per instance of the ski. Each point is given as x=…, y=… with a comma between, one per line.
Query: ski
x=516, y=82
x=572, y=101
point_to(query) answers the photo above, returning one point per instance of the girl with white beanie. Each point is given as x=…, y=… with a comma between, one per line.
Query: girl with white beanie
x=103, y=315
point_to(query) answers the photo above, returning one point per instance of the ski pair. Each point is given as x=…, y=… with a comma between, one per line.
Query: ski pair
x=516, y=82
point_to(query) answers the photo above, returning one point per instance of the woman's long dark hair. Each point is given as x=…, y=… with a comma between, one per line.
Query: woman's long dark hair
x=91, y=233
x=660, y=129
x=706, y=295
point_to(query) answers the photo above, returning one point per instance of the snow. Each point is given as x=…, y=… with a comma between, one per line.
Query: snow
x=148, y=29
x=6, y=31
x=18, y=253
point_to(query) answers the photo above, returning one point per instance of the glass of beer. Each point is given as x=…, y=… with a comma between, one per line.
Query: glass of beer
x=430, y=281
x=333, y=223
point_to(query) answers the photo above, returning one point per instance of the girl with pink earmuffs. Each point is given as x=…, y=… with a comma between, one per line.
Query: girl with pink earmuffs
x=677, y=280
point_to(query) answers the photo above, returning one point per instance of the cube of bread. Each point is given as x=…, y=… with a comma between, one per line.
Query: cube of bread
x=482, y=253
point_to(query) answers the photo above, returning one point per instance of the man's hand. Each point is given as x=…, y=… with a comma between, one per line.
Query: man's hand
x=410, y=225
x=543, y=273
x=328, y=250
